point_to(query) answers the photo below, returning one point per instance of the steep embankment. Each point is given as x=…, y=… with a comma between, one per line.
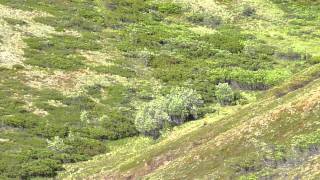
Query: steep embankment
x=276, y=137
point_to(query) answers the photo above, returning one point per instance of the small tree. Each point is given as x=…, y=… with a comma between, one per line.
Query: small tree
x=151, y=117
x=182, y=105
x=224, y=94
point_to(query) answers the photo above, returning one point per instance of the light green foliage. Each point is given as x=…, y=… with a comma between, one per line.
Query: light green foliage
x=224, y=94
x=315, y=60
x=180, y=105
x=84, y=117
x=57, y=144
x=306, y=141
x=152, y=116
x=183, y=104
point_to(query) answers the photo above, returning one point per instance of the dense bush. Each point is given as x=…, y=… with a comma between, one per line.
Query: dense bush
x=248, y=11
x=40, y=167
x=169, y=8
x=315, y=60
x=205, y=19
x=152, y=117
x=227, y=38
x=74, y=144
x=224, y=94
x=118, y=125
x=180, y=105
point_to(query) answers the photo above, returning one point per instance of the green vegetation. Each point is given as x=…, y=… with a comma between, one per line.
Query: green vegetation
x=152, y=117
x=174, y=109
x=225, y=94
x=101, y=72
x=15, y=21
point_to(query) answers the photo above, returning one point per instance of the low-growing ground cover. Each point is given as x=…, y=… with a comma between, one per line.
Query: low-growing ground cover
x=75, y=72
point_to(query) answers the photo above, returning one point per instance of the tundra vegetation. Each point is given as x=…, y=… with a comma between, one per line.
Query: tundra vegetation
x=87, y=78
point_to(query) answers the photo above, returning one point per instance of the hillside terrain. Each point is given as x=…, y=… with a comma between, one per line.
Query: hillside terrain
x=160, y=89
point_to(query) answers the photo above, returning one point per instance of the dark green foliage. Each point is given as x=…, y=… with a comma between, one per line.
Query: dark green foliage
x=248, y=11
x=115, y=70
x=169, y=8
x=121, y=12
x=78, y=15
x=15, y=21
x=290, y=55
x=228, y=38
x=26, y=154
x=119, y=125
x=315, y=60
x=205, y=20
x=40, y=167
x=84, y=146
x=58, y=52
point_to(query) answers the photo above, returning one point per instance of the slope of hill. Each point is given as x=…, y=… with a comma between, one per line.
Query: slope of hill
x=74, y=73
x=275, y=137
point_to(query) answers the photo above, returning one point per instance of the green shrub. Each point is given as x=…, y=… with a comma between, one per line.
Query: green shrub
x=182, y=105
x=290, y=54
x=315, y=60
x=169, y=8
x=152, y=117
x=40, y=167
x=248, y=11
x=59, y=52
x=118, y=125
x=84, y=146
x=224, y=94
x=22, y=121
x=227, y=38
x=205, y=19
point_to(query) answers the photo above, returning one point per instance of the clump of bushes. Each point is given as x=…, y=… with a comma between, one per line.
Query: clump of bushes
x=169, y=8
x=152, y=117
x=248, y=11
x=177, y=107
x=315, y=60
x=74, y=144
x=182, y=105
x=205, y=20
x=59, y=52
x=224, y=94
x=227, y=38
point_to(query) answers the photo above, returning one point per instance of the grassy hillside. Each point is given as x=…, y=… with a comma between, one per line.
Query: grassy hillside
x=275, y=137
x=74, y=74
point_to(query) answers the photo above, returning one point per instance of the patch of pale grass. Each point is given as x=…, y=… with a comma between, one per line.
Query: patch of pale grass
x=69, y=83
x=11, y=48
x=98, y=58
x=201, y=30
